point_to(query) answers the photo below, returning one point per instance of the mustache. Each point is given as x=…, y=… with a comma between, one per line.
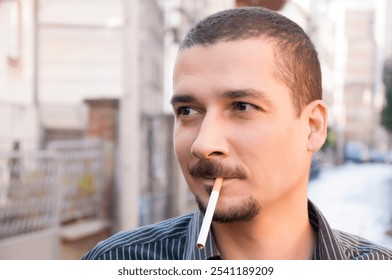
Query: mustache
x=211, y=169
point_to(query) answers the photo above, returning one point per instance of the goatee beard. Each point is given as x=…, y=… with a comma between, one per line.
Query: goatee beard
x=245, y=211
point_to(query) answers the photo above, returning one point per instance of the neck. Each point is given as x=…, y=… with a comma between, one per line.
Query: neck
x=281, y=231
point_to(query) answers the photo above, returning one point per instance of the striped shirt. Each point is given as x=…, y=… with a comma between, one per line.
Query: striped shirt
x=175, y=239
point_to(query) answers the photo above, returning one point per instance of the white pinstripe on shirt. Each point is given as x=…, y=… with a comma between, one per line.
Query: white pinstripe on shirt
x=175, y=239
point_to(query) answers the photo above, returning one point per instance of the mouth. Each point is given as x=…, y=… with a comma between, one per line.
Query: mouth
x=208, y=182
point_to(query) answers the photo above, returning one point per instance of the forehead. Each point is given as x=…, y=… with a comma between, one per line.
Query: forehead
x=229, y=65
x=252, y=52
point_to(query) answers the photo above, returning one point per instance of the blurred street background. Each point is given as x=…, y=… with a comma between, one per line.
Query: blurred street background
x=86, y=124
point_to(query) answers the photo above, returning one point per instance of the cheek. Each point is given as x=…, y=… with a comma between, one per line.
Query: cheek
x=276, y=152
x=183, y=141
x=262, y=143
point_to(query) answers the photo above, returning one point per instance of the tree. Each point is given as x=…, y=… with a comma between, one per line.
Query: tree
x=386, y=113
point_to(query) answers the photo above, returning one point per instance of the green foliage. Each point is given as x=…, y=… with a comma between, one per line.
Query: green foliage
x=387, y=73
x=386, y=113
x=87, y=184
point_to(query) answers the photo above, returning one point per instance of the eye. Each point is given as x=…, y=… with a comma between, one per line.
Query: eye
x=243, y=106
x=185, y=111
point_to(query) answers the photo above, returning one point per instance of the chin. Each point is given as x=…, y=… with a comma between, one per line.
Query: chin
x=239, y=211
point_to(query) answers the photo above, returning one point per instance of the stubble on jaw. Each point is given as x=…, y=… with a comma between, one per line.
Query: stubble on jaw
x=244, y=211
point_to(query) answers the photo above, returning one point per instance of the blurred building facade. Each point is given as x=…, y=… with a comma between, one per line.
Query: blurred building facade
x=352, y=59
x=65, y=67
x=352, y=39
x=19, y=118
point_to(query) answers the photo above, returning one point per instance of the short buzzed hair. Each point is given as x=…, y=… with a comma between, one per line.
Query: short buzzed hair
x=296, y=59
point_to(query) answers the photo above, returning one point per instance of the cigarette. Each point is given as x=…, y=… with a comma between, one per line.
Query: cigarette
x=205, y=227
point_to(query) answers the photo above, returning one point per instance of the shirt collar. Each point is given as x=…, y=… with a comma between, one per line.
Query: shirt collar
x=192, y=252
x=327, y=246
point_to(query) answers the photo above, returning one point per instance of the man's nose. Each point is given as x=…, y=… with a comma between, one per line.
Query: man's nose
x=211, y=141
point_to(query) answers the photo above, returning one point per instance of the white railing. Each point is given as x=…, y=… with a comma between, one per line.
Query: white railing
x=42, y=189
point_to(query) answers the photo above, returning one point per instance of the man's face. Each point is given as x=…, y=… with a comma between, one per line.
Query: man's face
x=235, y=119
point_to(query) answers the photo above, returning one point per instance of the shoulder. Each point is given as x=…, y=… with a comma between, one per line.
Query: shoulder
x=358, y=248
x=157, y=241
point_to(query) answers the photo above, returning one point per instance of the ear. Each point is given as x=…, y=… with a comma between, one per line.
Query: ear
x=316, y=114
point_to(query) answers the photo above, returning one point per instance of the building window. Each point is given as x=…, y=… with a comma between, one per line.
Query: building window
x=13, y=25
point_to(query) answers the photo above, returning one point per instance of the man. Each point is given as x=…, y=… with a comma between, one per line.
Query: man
x=247, y=104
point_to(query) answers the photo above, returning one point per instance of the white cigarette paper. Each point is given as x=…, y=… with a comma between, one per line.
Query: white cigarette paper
x=205, y=227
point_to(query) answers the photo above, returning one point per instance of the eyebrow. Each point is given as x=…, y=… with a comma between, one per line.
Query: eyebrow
x=241, y=93
x=227, y=94
x=186, y=98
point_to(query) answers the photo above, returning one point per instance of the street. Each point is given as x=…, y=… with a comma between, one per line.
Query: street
x=356, y=198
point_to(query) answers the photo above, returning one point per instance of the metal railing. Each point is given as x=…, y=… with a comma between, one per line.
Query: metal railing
x=41, y=189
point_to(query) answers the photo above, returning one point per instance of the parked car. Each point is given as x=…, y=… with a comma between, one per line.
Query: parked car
x=377, y=156
x=388, y=158
x=356, y=152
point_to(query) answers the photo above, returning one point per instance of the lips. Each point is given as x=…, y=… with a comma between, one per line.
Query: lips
x=209, y=182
